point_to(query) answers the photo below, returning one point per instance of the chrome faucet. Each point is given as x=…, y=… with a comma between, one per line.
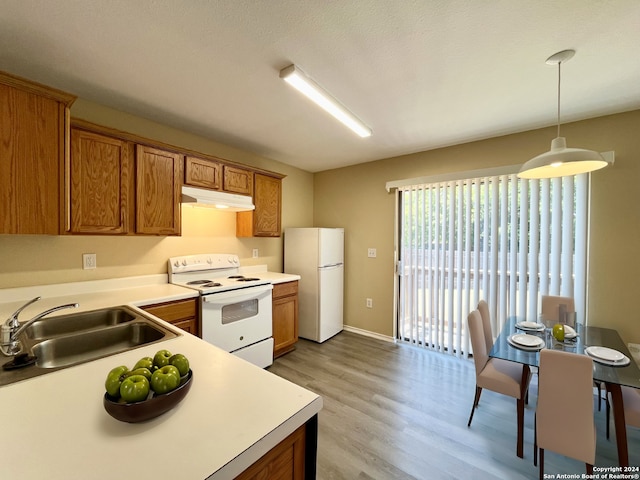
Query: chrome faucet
x=12, y=329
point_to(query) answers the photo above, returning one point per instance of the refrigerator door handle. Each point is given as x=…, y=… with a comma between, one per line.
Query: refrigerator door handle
x=327, y=267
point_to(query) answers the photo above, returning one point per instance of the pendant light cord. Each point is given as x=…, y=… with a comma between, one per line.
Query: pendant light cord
x=559, y=63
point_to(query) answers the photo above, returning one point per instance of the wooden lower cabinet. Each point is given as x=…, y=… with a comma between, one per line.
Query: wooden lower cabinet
x=181, y=313
x=286, y=461
x=285, y=317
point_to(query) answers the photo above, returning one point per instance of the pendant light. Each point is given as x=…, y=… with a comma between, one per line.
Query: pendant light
x=561, y=161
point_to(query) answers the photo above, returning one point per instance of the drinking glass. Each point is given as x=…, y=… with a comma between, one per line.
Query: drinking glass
x=548, y=323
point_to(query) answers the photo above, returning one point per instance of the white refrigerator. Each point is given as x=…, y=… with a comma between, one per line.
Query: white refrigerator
x=317, y=255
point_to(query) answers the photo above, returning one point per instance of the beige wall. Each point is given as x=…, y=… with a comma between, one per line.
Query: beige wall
x=355, y=198
x=39, y=259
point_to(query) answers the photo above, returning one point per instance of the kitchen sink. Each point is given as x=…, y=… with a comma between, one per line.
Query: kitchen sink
x=66, y=340
x=80, y=347
x=77, y=322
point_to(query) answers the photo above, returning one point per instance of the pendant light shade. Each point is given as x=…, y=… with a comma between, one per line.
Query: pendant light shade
x=561, y=161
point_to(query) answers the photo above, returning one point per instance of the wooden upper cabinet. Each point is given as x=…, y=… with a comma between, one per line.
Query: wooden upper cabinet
x=34, y=124
x=237, y=180
x=202, y=173
x=151, y=175
x=99, y=184
x=158, y=191
x=265, y=220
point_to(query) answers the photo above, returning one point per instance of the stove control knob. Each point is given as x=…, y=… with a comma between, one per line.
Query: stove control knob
x=176, y=263
x=231, y=260
x=209, y=261
x=184, y=263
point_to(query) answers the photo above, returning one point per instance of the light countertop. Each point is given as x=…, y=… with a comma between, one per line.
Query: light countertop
x=55, y=426
x=138, y=291
x=91, y=295
x=273, y=277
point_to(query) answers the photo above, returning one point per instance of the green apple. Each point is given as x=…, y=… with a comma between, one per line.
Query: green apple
x=181, y=363
x=558, y=332
x=145, y=372
x=114, y=379
x=134, y=388
x=165, y=379
x=145, y=362
x=161, y=358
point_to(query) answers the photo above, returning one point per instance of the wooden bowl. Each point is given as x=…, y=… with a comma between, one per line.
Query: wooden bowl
x=152, y=407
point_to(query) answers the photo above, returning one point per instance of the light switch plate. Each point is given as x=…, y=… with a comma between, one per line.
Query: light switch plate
x=255, y=253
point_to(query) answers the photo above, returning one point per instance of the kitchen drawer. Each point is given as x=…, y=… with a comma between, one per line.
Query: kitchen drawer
x=181, y=313
x=285, y=289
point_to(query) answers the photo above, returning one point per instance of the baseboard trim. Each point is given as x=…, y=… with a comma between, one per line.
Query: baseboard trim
x=367, y=333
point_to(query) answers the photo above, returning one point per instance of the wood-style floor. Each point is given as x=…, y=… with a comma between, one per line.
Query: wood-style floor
x=393, y=411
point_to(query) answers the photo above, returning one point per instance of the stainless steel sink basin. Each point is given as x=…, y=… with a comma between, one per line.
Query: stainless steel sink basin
x=77, y=348
x=66, y=340
x=77, y=322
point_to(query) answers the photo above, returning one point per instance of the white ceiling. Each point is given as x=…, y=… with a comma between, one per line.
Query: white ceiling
x=422, y=74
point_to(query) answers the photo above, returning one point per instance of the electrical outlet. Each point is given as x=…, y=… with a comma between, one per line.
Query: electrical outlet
x=255, y=253
x=89, y=261
x=369, y=302
x=371, y=253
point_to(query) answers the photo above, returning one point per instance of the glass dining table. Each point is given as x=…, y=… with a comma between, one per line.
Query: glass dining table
x=587, y=336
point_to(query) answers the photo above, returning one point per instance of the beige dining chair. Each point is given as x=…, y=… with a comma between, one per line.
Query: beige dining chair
x=564, y=414
x=550, y=309
x=500, y=376
x=483, y=308
x=631, y=402
x=550, y=306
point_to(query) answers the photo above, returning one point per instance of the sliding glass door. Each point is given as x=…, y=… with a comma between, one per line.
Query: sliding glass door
x=496, y=238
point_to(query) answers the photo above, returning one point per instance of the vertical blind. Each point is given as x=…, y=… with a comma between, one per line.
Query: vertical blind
x=498, y=238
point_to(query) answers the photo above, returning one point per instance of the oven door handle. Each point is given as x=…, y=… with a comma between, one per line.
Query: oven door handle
x=238, y=295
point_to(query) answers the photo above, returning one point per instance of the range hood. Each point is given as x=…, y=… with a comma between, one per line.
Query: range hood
x=209, y=198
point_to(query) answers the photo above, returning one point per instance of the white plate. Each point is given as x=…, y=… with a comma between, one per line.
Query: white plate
x=604, y=353
x=536, y=348
x=569, y=332
x=534, y=326
x=525, y=340
x=612, y=363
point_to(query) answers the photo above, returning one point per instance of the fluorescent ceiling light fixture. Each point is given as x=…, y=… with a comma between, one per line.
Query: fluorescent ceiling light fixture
x=299, y=80
x=561, y=161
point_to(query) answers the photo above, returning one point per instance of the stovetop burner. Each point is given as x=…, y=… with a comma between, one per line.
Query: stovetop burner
x=198, y=282
x=242, y=278
x=212, y=284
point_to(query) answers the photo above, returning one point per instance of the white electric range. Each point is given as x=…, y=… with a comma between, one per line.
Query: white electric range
x=235, y=309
